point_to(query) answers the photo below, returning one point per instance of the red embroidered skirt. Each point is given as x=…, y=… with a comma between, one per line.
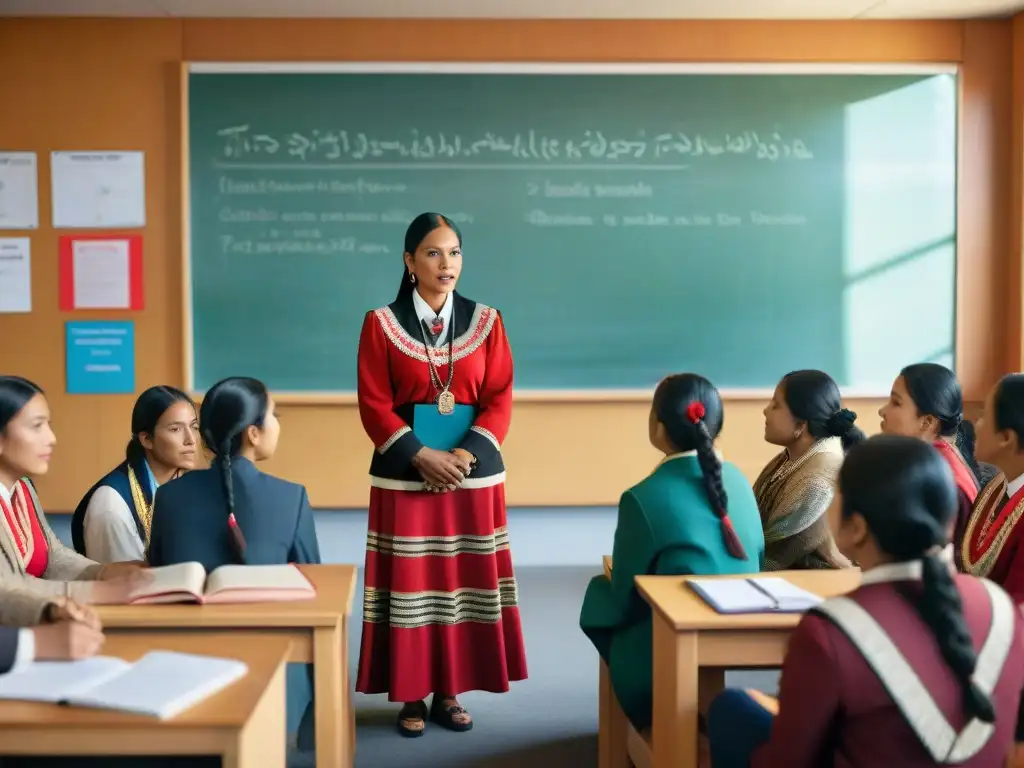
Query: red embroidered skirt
x=440, y=602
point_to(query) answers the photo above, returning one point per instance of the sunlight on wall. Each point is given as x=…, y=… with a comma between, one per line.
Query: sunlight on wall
x=900, y=229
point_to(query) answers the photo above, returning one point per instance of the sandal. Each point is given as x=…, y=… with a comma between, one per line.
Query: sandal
x=412, y=719
x=446, y=711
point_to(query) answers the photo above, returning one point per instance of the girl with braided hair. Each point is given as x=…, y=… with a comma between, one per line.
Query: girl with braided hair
x=232, y=513
x=695, y=514
x=890, y=674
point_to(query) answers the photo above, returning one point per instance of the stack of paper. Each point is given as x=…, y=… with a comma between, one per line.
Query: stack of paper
x=767, y=594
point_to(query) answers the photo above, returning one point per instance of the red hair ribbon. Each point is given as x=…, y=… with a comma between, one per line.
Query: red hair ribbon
x=695, y=411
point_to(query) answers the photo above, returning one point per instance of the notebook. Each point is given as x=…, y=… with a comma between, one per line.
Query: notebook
x=189, y=583
x=439, y=431
x=161, y=684
x=764, y=594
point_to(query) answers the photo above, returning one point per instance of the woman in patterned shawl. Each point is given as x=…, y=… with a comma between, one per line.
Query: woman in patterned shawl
x=807, y=419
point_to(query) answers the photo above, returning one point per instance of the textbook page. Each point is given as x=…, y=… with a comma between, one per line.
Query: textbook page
x=251, y=583
x=54, y=681
x=170, y=584
x=162, y=684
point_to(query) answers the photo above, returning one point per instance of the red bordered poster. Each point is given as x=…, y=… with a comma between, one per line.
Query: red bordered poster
x=101, y=272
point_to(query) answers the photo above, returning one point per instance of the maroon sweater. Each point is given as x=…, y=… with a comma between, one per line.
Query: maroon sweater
x=833, y=709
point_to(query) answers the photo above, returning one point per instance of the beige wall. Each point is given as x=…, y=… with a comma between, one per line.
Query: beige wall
x=116, y=84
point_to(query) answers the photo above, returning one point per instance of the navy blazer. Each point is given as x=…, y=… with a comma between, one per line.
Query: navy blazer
x=8, y=647
x=190, y=519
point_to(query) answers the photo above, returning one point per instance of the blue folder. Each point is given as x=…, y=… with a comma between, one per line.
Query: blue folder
x=442, y=432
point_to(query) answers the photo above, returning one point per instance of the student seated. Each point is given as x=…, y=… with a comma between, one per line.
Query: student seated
x=993, y=541
x=33, y=558
x=889, y=675
x=926, y=403
x=232, y=512
x=807, y=419
x=693, y=515
x=112, y=521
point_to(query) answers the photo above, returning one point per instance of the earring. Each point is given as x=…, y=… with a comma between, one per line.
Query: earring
x=412, y=278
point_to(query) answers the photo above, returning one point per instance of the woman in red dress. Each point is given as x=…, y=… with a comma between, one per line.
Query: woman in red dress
x=32, y=558
x=440, y=607
x=926, y=402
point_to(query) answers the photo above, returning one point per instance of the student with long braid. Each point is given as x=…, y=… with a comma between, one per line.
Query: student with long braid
x=232, y=513
x=695, y=514
x=889, y=675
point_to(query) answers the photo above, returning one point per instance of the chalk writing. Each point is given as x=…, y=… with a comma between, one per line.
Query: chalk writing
x=298, y=246
x=581, y=190
x=231, y=186
x=341, y=146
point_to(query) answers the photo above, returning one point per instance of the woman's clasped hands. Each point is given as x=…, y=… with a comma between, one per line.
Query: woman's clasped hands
x=443, y=471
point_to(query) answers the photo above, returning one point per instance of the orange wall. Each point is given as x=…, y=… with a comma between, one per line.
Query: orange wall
x=115, y=84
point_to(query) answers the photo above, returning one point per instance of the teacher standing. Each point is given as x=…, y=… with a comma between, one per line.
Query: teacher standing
x=440, y=606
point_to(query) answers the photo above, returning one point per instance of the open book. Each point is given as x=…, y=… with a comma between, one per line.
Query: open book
x=161, y=684
x=189, y=583
x=765, y=594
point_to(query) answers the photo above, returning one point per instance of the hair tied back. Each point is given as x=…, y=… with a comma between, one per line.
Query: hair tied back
x=695, y=411
x=841, y=421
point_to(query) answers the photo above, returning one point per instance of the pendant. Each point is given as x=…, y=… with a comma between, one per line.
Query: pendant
x=446, y=403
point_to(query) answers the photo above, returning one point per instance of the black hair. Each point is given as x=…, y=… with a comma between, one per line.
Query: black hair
x=150, y=406
x=936, y=392
x=813, y=397
x=1007, y=406
x=672, y=406
x=229, y=408
x=415, y=233
x=905, y=492
x=15, y=392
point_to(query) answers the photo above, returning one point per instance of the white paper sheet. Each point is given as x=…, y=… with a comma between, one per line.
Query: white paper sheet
x=19, y=191
x=102, y=274
x=98, y=189
x=15, y=274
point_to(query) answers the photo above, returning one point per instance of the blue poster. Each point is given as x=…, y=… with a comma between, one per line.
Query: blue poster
x=100, y=357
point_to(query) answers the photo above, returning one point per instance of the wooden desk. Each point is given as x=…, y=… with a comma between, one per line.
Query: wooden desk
x=694, y=645
x=245, y=724
x=317, y=630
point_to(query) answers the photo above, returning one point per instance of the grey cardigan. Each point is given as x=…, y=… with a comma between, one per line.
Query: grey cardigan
x=23, y=597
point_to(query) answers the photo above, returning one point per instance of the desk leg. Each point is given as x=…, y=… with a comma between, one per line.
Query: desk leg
x=674, y=733
x=331, y=728
x=612, y=727
x=263, y=740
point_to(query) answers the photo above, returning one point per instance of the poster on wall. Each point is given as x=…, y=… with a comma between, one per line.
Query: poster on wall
x=15, y=274
x=19, y=191
x=100, y=272
x=98, y=189
x=100, y=357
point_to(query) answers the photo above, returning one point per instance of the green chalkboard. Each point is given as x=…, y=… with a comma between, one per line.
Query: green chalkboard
x=627, y=225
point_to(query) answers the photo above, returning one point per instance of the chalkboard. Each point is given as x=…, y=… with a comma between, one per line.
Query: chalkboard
x=627, y=225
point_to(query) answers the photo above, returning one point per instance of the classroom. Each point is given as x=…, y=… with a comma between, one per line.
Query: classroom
x=172, y=79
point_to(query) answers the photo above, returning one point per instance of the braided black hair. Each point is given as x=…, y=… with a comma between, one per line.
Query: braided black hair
x=690, y=409
x=229, y=408
x=905, y=492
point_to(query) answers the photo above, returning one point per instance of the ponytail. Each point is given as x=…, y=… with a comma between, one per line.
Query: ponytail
x=711, y=474
x=965, y=445
x=940, y=608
